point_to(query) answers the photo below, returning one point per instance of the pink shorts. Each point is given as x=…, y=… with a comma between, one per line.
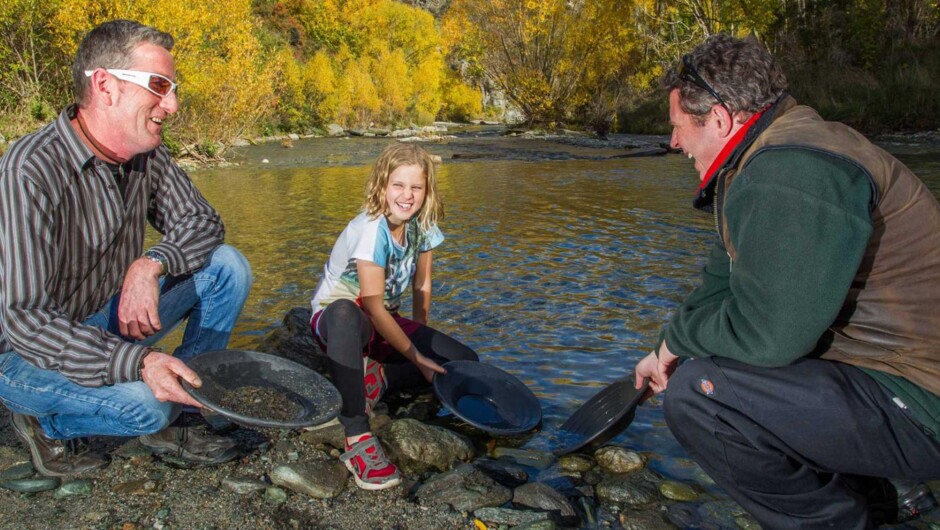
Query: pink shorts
x=378, y=348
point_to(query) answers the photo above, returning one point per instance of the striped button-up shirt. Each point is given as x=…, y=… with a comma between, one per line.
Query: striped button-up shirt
x=67, y=238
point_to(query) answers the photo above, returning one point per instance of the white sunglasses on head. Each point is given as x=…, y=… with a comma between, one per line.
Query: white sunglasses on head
x=157, y=84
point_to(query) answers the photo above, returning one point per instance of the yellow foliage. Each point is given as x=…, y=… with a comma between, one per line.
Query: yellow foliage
x=393, y=85
x=359, y=99
x=549, y=57
x=320, y=80
x=34, y=77
x=461, y=101
x=290, y=86
x=362, y=61
x=385, y=58
x=427, y=77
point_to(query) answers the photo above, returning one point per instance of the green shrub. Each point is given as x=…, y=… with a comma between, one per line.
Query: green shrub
x=207, y=148
x=172, y=144
x=41, y=111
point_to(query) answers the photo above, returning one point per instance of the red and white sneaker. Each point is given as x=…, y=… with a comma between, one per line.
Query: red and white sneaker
x=375, y=383
x=370, y=467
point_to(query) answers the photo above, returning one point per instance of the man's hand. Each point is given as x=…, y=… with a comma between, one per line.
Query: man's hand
x=428, y=367
x=161, y=373
x=138, y=317
x=656, y=369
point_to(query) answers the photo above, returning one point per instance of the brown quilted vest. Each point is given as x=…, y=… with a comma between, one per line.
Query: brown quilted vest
x=890, y=320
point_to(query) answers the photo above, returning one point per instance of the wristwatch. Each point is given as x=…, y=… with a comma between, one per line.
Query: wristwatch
x=158, y=257
x=140, y=363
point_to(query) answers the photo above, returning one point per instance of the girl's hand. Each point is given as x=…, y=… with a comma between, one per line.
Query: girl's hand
x=428, y=367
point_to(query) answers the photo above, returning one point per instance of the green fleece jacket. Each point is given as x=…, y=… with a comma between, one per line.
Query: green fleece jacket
x=800, y=222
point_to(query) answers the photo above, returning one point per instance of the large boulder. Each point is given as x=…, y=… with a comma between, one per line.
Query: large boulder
x=636, y=490
x=538, y=496
x=416, y=447
x=293, y=340
x=320, y=479
x=465, y=488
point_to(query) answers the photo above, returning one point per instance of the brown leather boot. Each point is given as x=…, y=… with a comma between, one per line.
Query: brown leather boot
x=191, y=445
x=54, y=458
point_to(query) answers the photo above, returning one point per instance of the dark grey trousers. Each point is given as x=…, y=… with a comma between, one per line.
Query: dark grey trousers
x=787, y=443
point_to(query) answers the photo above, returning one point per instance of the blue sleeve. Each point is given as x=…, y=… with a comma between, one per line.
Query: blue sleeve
x=434, y=238
x=383, y=248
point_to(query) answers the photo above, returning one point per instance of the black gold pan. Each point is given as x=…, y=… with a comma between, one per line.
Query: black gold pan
x=488, y=398
x=602, y=417
x=313, y=399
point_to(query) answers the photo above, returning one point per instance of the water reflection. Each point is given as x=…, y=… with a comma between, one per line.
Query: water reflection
x=560, y=272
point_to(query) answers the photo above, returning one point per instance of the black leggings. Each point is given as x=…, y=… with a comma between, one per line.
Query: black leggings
x=346, y=330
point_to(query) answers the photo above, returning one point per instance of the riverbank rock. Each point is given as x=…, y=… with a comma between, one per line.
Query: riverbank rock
x=293, y=340
x=334, y=130
x=614, y=459
x=331, y=434
x=648, y=520
x=75, y=488
x=427, y=138
x=464, y=488
x=637, y=490
x=509, y=516
x=417, y=448
x=505, y=473
x=320, y=479
x=678, y=491
x=538, y=496
x=576, y=462
x=31, y=485
x=243, y=485
x=18, y=471
x=527, y=457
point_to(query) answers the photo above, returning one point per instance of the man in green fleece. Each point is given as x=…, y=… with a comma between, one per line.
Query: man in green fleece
x=813, y=341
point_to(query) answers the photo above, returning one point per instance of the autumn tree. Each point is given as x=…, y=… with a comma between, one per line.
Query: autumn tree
x=34, y=79
x=549, y=57
x=385, y=61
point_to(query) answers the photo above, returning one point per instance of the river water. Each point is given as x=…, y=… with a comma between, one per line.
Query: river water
x=560, y=265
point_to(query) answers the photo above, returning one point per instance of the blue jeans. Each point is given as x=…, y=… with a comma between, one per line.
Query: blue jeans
x=210, y=298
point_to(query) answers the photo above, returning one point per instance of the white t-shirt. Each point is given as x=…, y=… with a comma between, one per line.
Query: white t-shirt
x=370, y=240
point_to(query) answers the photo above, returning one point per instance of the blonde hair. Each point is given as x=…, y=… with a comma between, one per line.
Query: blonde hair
x=392, y=158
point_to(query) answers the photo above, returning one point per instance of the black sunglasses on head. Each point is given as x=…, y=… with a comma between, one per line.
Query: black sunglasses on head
x=687, y=72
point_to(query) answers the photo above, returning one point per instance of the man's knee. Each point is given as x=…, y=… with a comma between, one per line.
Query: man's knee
x=144, y=413
x=231, y=270
x=157, y=418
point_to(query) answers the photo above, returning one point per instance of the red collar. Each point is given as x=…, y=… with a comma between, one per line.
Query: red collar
x=729, y=148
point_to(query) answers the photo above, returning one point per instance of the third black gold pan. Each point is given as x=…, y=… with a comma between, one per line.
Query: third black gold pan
x=602, y=417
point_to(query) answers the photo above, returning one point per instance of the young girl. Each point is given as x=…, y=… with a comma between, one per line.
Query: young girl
x=386, y=248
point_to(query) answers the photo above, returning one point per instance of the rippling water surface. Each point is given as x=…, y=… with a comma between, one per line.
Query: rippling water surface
x=559, y=266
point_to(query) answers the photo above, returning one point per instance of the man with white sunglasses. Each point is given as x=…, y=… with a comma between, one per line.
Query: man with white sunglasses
x=81, y=302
